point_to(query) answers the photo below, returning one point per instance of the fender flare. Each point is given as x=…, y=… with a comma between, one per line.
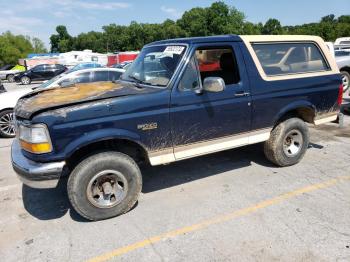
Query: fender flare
x=293, y=106
x=99, y=136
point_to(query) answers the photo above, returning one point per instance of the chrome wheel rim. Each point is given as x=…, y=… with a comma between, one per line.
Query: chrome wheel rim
x=25, y=80
x=346, y=81
x=107, y=189
x=10, y=78
x=293, y=143
x=7, y=124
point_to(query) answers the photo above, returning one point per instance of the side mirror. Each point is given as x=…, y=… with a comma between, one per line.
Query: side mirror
x=66, y=84
x=214, y=84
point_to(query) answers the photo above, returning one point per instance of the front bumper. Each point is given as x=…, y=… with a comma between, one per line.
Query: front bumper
x=35, y=174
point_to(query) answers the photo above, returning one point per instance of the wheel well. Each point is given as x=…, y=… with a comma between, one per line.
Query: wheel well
x=347, y=69
x=130, y=148
x=4, y=109
x=305, y=113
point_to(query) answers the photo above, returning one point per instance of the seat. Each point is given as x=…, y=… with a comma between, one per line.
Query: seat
x=228, y=68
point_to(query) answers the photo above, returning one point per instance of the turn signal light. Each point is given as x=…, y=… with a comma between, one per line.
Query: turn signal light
x=40, y=148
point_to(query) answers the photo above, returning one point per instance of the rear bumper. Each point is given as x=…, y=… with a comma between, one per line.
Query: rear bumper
x=35, y=174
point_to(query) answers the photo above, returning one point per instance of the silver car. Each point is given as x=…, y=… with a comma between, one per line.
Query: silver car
x=342, y=57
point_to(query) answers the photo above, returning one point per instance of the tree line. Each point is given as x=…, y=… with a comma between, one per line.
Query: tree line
x=13, y=47
x=217, y=19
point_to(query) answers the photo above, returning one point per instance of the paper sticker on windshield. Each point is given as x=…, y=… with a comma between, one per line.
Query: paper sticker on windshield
x=174, y=49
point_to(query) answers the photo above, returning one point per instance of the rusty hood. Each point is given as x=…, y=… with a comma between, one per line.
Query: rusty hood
x=80, y=93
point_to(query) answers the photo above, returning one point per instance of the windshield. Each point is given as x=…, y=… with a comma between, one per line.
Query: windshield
x=49, y=82
x=155, y=65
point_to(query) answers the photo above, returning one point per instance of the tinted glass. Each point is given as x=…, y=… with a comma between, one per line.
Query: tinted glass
x=83, y=78
x=290, y=58
x=39, y=68
x=101, y=76
x=190, y=78
x=113, y=76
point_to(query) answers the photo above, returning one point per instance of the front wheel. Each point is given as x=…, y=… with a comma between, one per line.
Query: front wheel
x=7, y=124
x=287, y=143
x=104, y=185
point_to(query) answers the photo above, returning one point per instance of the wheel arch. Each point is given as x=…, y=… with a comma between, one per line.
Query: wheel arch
x=126, y=143
x=345, y=68
x=6, y=108
x=301, y=109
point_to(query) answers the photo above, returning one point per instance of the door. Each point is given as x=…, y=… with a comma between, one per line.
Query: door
x=38, y=72
x=210, y=121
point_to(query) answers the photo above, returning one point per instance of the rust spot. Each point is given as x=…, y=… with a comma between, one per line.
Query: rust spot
x=58, y=96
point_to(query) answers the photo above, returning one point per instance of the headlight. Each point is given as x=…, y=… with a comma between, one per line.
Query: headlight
x=35, y=138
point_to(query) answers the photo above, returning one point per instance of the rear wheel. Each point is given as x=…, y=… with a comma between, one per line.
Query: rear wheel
x=287, y=143
x=7, y=124
x=10, y=78
x=25, y=80
x=104, y=185
x=346, y=80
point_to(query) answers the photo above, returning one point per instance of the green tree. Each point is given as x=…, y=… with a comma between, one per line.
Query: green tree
x=272, y=27
x=194, y=22
x=62, y=41
x=38, y=45
x=14, y=47
x=222, y=19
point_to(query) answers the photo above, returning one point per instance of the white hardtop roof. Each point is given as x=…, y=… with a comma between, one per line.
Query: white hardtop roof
x=274, y=38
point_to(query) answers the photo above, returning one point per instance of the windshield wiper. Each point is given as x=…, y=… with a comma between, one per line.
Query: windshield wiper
x=139, y=81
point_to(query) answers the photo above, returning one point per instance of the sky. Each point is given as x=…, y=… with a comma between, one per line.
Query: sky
x=38, y=18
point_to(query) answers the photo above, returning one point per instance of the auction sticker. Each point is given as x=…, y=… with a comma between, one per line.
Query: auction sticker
x=174, y=49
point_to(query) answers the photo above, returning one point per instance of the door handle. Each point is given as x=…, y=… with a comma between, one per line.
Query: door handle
x=241, y=93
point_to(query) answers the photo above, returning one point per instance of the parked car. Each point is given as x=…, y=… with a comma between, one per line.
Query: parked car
x=8, y=72
x=123, y=65
x=342, y=58
x=85, y=66
x=84, y=76
x=164, y=109
x=39, y=72
x=8, y=100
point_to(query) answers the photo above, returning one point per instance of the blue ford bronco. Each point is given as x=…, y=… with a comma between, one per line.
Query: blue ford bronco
x=179, y=99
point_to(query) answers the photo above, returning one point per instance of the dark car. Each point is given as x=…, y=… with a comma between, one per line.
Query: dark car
x=166, y=107
x=39, y=72
x=122, y=65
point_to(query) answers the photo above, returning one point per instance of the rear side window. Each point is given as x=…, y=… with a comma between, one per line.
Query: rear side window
x=101, y=76
x=290, y=58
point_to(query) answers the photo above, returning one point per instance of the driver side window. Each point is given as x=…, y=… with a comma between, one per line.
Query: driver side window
x=190, y=78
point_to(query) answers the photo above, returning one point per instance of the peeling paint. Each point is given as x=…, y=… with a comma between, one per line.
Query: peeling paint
x=68, y=96
x=58, y=96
